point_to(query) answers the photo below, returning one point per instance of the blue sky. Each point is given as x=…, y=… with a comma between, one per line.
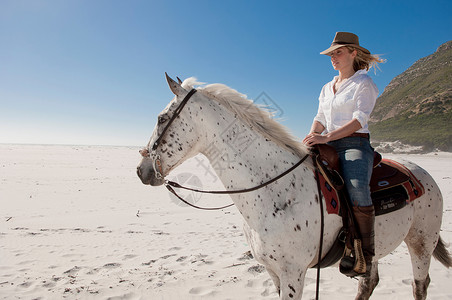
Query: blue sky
x=92, y=71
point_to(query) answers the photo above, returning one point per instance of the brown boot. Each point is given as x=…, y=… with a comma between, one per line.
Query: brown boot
x=365, y=220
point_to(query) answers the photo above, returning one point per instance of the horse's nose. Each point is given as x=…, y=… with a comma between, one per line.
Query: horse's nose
x=139, y=172
x=144, y=152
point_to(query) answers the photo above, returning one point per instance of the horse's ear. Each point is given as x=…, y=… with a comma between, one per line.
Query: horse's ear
x=175, y=87
x=178, y=80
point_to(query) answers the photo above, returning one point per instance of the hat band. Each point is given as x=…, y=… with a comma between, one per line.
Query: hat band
x=342, y=43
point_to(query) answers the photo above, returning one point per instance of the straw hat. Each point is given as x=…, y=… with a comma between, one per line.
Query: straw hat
x=342, y=39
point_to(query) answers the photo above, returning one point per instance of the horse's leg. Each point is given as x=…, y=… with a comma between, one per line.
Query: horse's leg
x=421, y=246
x=420, y=288
x=423, y=235
x=420, y=261
x=275, y=279
x=292, y=285
x=367, y=284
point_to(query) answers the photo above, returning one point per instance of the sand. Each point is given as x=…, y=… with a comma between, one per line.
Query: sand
x=76, y=223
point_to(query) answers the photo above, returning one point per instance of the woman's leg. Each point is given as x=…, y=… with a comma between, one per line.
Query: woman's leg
x=356, y=158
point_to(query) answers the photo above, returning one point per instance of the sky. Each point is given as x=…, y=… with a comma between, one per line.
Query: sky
x=92, y=72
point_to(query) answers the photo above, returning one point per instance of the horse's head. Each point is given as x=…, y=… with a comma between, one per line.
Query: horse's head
x=174, y=138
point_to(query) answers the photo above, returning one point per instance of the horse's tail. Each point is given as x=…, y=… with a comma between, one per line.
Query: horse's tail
x=442, y=254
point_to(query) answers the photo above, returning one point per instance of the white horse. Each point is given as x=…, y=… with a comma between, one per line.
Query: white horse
x=246, y=147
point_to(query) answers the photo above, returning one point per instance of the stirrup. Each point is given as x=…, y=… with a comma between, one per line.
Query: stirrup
x=353, y=263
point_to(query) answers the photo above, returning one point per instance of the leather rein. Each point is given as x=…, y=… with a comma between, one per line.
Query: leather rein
x=171, y=184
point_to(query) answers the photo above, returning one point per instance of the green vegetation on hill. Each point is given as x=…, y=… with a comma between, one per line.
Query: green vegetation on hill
x=416, y=107
x=432, y=131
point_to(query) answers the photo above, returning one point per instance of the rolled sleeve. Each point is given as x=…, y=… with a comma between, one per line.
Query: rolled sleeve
x=366, y=96
x=320, y=117
x=362, y=118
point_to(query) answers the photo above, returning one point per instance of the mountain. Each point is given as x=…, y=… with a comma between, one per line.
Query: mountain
x=416, y=107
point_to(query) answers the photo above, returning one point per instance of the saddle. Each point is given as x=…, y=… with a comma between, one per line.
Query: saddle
x=392, y=186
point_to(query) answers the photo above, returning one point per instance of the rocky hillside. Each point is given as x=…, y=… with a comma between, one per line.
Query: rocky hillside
x=416, y=107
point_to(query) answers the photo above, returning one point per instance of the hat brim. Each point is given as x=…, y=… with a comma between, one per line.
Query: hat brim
x=334, y=47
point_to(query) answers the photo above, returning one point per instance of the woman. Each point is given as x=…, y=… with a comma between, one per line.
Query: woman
x=345, y=105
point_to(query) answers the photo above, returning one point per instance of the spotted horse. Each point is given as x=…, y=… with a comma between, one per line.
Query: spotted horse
x=282, y=219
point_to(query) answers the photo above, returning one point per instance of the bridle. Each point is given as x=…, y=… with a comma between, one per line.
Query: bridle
x=171, y=184
x=146, y=153
x=175, y=115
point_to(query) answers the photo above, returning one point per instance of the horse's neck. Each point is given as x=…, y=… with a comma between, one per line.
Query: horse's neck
x=232, y=147
x=243, y=158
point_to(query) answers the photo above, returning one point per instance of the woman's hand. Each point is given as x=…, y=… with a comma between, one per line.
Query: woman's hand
x=315, y=138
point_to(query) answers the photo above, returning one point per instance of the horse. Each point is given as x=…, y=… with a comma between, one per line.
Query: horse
x=246, y=147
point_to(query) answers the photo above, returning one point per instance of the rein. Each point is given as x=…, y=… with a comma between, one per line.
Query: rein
x=322, y=227
x=170, y=184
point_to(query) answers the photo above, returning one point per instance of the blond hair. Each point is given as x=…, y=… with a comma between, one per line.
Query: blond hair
x=365, y=60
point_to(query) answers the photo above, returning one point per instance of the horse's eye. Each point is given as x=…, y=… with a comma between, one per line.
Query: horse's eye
x=162, y=119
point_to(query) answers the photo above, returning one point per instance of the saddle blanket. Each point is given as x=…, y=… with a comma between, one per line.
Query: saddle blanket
x=392, y=187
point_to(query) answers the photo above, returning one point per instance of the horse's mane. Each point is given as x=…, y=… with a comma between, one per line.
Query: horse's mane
x=257, y=117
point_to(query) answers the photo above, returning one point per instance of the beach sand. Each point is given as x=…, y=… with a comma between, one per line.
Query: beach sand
x=77, y=223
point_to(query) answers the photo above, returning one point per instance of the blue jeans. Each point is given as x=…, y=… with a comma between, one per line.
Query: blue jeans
x=356, y=158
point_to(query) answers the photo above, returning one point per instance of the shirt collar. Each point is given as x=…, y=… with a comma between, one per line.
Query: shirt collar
x=359, y=72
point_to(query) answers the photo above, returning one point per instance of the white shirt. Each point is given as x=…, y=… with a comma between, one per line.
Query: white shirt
x=355, y=99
